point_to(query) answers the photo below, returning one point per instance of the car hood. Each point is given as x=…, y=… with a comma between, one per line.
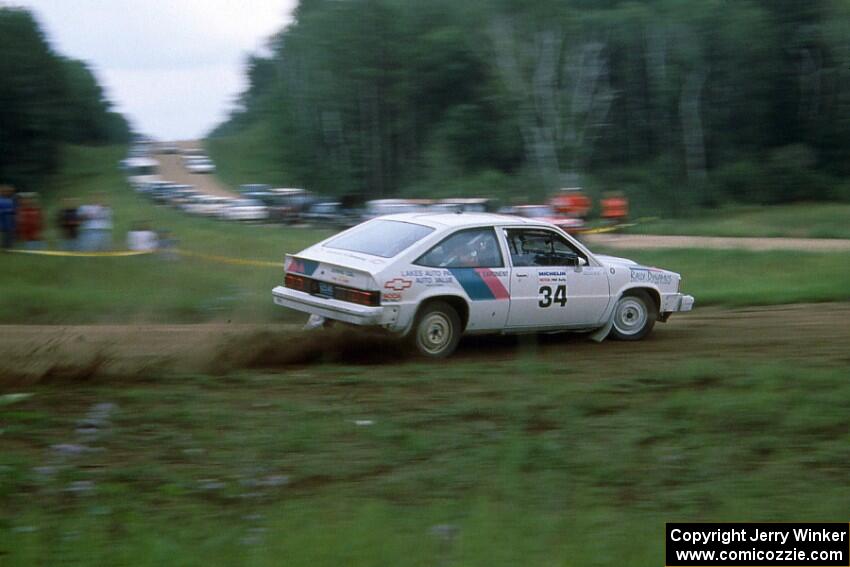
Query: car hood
x=614, y=261
x=643, y=274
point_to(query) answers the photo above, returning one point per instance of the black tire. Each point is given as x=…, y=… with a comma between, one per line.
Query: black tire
x=436, y=331
x=634, y=316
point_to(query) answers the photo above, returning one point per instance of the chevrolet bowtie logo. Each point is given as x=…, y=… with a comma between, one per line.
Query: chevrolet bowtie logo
x=398, y=284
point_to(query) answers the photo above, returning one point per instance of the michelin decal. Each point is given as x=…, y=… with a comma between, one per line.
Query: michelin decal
x=552, y=276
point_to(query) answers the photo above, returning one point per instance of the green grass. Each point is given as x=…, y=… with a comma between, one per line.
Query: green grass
x=530, y=461
x=803, y=220
x=739, y=278
x=38, y=289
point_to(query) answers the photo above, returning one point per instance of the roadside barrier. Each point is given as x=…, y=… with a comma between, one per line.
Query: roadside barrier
x=81, y=254
x=232, y=261
x=604, y=229
x=616, y=227
x=241, y=261
x=121, y=253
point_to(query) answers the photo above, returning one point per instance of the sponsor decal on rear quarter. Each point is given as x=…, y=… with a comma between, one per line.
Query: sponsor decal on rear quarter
x=398, y=284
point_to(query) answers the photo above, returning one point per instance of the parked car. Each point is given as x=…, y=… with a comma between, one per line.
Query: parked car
x=323, y=213
x=245, y=210
x=546, y=213
x=200, y=165
x=141, y=170
x=254, y=188
x=206, y=205
x=291, y=202
x=163, y=192
x=381, y=207
x=151, y=187
x=332, y=213
x=189, y=153
x=462, y=205
x=216, y=206
x=179, y=193
x=434, y=277
x=168, y=148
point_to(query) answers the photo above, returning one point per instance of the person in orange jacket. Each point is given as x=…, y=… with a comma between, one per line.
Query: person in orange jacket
x=29, y=222
x=615, y=207
x=572, y=202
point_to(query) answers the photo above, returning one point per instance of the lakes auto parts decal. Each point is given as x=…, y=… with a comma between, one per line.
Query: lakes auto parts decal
x=478, y=283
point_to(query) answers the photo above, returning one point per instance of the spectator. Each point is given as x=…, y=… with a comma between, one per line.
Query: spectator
x=7, y=217
x=141, y=238
x=615, y=207
x=167, y=245
x=572, y=202
x=96, y=235
x=69, y=224
x=29, y=221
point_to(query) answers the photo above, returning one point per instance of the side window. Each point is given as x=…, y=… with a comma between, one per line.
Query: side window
x=543, y=248
x=473, y=248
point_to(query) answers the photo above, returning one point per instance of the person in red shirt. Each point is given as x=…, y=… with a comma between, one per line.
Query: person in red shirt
x=29, y=221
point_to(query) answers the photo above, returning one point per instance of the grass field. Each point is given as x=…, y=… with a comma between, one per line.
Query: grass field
x=40, y=289
x=803, y=220
x=519, y=451
x=521, y=462
x=739, y=278
x=37, y=289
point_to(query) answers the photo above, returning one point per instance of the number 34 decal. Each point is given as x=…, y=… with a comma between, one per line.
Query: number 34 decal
x=547, y=298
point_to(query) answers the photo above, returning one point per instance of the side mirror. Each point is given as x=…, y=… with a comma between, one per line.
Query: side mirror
x=580, y=263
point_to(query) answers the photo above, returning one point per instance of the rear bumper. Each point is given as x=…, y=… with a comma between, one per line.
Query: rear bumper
x=328, y=308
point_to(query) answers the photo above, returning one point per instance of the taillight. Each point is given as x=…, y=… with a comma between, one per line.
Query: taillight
x=368, y=298
x=295, y=282
x=351, y=295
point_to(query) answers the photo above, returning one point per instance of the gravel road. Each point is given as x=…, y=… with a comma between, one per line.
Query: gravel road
x=805, y=331
x=171, y=169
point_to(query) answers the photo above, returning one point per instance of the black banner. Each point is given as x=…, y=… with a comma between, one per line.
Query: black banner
x=762, y=545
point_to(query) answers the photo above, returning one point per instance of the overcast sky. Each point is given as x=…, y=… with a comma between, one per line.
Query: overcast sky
x=173, y=67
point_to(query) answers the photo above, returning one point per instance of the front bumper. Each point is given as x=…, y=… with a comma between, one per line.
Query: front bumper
x=328, y=308
x=678, y=302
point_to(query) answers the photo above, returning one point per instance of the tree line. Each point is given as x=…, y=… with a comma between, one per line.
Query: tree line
x=681, y=102
x=46, y=100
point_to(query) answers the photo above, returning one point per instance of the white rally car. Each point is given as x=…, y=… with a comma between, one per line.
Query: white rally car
x=433, y=277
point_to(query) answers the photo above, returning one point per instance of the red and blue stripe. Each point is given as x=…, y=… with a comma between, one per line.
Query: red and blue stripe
x=301, y=266
x=480, y=283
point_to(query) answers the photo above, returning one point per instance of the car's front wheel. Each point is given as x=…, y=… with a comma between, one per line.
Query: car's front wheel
x=437, y=330
x=634, y=316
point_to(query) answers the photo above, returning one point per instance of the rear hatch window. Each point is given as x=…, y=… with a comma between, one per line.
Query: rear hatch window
x=384, y=238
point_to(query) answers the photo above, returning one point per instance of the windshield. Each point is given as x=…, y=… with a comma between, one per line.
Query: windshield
x=384, y=238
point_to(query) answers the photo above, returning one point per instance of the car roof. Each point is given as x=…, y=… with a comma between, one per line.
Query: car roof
x=452, y=220
x=140, y=162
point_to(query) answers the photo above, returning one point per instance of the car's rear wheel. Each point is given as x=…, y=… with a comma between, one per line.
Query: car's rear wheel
x=437, y=330
x=634, y=316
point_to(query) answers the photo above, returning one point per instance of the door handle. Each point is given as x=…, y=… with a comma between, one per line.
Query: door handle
x=522, y=275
